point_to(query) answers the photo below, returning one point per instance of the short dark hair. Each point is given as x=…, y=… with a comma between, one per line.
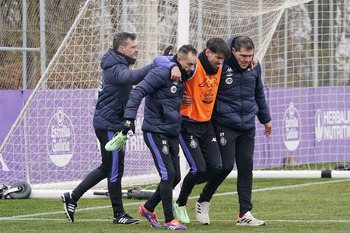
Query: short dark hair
x=243, y=41
x=120, y=39
x=185, y=49
x=217, y=45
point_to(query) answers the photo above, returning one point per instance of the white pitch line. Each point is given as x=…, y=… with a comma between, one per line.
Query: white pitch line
x=283, y=187
x=193, y=220
x=27, y=216
x=60, y=212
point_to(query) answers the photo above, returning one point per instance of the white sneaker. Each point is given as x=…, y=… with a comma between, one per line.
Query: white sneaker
x=249, y=220
x=202, y=212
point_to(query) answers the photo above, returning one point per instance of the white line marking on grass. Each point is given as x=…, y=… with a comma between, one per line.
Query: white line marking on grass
x=317, y=221
x=60, y=212
x=282, y=187
x=28, y=216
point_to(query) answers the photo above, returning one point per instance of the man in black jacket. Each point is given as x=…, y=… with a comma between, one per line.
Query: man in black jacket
x=115, y=85
x=161, y=128
x=197, y=138
x=240, y=98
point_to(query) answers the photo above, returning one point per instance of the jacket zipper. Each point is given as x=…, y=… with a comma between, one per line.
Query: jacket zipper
x=240, y=94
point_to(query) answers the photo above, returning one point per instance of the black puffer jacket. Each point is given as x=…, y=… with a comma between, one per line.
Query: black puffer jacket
x=162, y=102
x=115, y=86
x=240, y=96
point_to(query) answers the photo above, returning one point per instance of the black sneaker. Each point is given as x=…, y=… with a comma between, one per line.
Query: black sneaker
x=69, y=206
x=125, y=218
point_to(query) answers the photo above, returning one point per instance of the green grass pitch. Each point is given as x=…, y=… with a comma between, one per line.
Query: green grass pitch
x=286, y=205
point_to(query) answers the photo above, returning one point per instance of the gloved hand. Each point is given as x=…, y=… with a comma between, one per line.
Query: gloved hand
x=167, y=50
x=129, y=124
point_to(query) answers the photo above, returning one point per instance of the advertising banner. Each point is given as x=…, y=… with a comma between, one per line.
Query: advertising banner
x=56, y=142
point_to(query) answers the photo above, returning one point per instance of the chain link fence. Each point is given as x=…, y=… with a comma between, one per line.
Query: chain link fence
x=20, y=28
x=310, y=47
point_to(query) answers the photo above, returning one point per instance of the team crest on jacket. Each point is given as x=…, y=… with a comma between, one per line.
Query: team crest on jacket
x=228, y=81
x=173, y=89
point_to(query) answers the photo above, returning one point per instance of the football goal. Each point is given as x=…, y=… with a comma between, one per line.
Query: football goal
x=302, y=46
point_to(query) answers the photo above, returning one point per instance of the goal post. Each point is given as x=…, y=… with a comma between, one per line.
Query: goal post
x=53, y=143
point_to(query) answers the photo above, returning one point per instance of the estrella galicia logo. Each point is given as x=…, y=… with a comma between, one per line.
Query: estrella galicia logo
x=208, y=96
x=291, y=128
x=60, y=138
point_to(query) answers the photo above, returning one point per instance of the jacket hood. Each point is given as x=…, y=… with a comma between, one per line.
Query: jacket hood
x=229, y=42
x=111, y=58
x=231, y=60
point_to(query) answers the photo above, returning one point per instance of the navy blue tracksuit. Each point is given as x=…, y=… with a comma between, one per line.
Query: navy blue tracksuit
x=239, y=100
x=115, y=86
x=161, y=127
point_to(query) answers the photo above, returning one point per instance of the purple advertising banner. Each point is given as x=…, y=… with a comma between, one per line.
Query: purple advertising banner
x=332, y=124
x=56, y=142
x=292, y=111
x=310, y=125
x=11, y=104
x=63, y=139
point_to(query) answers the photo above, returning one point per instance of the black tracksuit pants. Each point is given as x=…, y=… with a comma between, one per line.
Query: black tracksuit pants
x=238, y=145
x=198, y=142
x=165, y=152
x=112, y=168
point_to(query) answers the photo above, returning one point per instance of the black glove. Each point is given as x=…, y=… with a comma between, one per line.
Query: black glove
x=129, y=124
x=167, y=50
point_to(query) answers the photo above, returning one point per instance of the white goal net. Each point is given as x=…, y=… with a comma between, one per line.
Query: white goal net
x=303, y=47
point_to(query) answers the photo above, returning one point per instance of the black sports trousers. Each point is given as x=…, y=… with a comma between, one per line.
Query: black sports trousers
x=238, y=145
x=198, y=142
x=165, y=152
x=112, y=168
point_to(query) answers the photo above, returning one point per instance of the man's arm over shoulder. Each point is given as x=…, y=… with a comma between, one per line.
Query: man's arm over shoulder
x=166, y=62
x=152, y=82
x=124, y=76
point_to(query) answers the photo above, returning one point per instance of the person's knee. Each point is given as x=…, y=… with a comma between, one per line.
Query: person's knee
x=218, y=171
x=171, y=175
x=198, y=171
x=103, y=171
x=226, y=170
x=201, y=176
x=177, y=180
x=201, y=173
